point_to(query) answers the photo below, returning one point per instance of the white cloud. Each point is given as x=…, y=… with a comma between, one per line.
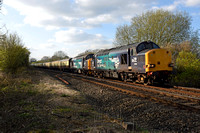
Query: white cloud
x=55, y=14
x=79, y=41
x=43, y=46
x=197, y=14
x=178, y=3
x=74, y=36
x=100, y=19
x=47, y=45
x=33, y=15
x=73, y=42
x=4, y=11
x=43, y=49
x=171, y=7
x=192, y=2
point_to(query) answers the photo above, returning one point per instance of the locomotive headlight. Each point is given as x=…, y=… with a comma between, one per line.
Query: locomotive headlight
x=171, y=65
x=151, y=65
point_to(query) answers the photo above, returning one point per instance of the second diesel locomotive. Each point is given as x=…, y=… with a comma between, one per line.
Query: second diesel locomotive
x=143, y=62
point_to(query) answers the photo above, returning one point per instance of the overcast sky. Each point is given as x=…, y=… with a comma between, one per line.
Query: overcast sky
x=73, y=26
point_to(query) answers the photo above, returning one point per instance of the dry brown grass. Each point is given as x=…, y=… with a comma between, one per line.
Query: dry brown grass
x=39, y=102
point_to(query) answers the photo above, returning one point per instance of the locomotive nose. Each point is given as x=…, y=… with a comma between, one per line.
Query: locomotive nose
x=158, y=60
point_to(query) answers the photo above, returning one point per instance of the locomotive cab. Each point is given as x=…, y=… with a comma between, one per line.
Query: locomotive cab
x=88, y=64
x=158, y=65
x=136, y=56
x=153, y=63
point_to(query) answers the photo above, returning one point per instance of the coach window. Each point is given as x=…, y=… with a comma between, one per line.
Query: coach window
x=124, y=59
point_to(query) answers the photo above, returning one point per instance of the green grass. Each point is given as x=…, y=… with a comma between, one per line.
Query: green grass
x=64, y=95
x=24, y=115
x=63, y=110
x=32, y=92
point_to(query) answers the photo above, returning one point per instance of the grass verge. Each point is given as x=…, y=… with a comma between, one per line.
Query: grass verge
x=36, y=102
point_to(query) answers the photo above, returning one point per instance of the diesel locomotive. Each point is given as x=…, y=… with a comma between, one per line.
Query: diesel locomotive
x=143, y=62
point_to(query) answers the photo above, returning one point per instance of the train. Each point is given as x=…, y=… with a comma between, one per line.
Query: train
x=143, y=62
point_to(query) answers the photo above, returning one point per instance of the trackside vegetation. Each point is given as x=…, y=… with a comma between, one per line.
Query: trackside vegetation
x=188, y=69
x=13, y=55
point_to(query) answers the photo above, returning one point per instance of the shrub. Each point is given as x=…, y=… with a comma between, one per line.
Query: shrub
x=13, y=55
x=188, y=69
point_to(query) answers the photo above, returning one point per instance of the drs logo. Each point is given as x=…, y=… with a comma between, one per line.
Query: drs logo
x=134, y=59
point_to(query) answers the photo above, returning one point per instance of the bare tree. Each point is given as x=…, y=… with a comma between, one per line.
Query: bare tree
x=162, y=26
x=159, y=26
x=33, y=60
x=3, y=29
x=195, y=40
x=124, y=35
x=58, y=55
x=1, y=1
x=89, y=51
x=45, y=58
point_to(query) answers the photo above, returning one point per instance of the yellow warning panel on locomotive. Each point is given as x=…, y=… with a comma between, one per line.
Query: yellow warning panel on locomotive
x=158, y=60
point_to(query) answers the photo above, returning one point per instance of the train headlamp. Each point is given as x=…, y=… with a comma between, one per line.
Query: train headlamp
x=151, y=65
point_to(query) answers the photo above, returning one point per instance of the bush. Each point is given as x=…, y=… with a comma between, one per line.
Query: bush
x=13, y=55
x=188, y=69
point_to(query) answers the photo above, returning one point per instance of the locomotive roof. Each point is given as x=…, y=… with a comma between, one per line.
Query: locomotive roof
x=84, y=55
x=125, y=47
x=106, y=51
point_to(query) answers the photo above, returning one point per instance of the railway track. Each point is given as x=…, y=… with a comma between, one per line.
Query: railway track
x=184, y=93
x=183, y=98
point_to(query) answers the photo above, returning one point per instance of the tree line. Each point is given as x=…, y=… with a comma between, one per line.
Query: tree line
x=58, y=55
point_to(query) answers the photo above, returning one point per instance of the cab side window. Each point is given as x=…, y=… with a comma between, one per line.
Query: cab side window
x=155, y=46
x=140, y=48
x=124, y=59
x=133, y=52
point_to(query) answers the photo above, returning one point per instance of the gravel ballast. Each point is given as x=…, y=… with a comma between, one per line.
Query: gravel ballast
x=146, y=114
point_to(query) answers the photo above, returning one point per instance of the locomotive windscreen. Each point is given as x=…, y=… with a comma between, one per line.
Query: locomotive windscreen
x=146, y=45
